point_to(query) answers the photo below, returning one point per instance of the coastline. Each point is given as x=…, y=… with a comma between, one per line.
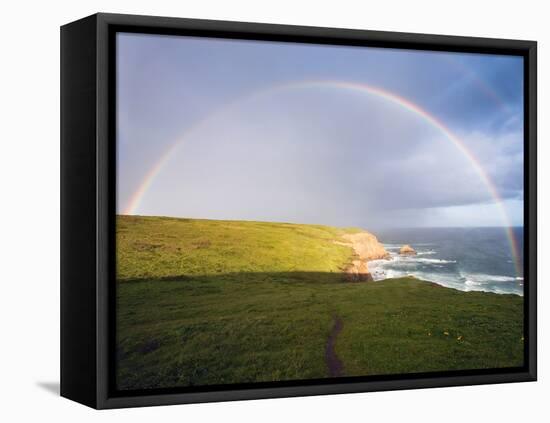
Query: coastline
x=366, y=248
x=466, y=259
x=374, y=261
x=279, y=298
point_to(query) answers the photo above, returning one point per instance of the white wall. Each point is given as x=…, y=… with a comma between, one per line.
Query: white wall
x=29, y=170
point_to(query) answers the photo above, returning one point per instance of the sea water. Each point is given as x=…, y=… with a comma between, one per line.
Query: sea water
x=468, y=259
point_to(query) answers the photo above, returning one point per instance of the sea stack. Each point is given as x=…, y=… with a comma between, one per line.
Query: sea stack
x=407, y=250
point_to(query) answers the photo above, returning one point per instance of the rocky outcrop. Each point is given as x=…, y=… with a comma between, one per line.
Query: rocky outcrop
x=366, y=247
x=358, y=271
x=407, y=250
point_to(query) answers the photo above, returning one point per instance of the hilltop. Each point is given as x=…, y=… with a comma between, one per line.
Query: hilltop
x=164, y=247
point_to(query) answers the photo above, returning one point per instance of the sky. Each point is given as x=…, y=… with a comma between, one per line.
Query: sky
x=337, y=135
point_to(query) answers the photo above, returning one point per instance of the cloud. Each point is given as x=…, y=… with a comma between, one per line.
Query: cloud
x=316, y=156
x=328, y=157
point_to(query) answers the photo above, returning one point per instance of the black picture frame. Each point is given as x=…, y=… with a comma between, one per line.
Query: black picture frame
x=88, y=153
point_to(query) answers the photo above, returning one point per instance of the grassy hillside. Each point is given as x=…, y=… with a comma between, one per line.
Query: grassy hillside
x=156, y=247
x=214, y=302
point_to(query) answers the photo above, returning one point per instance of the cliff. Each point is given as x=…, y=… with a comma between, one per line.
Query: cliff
x=366, y=247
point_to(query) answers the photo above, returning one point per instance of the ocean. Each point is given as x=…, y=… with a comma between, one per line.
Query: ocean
x=468, y=259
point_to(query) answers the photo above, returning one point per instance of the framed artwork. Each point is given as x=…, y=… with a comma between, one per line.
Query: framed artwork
x=255, y=211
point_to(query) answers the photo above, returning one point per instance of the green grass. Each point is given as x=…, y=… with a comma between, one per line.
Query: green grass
x=157, y=247
x=214, y=302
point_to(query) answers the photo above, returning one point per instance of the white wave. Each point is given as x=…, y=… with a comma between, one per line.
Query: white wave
x=451, y=281
x=416, y=259
x=387, y=269
x=442, y=261
x=482, y=278
x=425, y=253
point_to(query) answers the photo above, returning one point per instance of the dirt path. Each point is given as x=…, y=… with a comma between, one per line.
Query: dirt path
x=334, y=364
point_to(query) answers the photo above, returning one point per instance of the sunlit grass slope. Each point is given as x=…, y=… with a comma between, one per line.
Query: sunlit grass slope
x=157, y=247
x=216, y=302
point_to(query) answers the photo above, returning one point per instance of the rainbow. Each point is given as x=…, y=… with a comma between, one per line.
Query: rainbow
x=355, y=87
x=485, y=88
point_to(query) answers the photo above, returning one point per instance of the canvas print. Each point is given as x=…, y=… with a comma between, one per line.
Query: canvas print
x=297, y=212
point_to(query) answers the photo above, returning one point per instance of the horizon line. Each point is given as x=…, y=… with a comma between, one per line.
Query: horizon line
x=359, y=226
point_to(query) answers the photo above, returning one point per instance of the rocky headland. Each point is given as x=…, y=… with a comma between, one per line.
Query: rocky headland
x=366, y=247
